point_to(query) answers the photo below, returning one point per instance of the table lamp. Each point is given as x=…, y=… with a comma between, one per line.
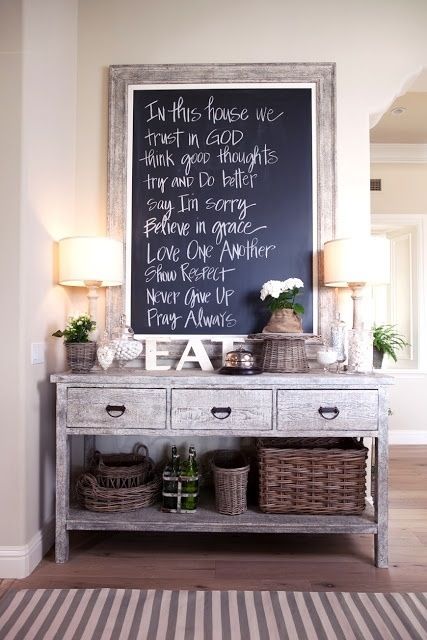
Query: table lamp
x=92, y=262
x=354, y=263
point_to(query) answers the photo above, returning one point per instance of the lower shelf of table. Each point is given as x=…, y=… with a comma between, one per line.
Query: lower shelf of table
x=206, y=519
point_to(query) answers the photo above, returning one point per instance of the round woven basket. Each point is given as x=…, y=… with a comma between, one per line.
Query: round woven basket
x=81, y=356
x=230, y=469
x=106, y=500
x=121, y=470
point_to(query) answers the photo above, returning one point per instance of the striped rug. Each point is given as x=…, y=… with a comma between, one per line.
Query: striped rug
x=125, y=614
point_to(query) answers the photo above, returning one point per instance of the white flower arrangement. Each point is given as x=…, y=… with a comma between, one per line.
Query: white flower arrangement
x=281, y=294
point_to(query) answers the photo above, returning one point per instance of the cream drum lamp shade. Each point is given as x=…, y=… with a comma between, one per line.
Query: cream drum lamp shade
x=90, y=261
x=354, y=263
x=364, y=260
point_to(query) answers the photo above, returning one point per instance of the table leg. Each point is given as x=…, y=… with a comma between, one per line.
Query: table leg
x=381, y=493
x=63, y=459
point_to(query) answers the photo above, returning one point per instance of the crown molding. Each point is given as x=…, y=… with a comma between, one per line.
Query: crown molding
x=386, y=153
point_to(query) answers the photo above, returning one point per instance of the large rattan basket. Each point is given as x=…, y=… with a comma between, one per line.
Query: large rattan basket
x=122, y=470
x=284, y=354
x=230, y=469
x=312, y=475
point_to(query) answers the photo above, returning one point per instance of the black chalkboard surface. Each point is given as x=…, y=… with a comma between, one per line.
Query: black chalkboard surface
x=222, y=201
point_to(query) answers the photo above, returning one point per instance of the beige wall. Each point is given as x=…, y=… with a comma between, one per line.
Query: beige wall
x=48, y=192
x=38, y=116
x=12, y=488
x=403, y=188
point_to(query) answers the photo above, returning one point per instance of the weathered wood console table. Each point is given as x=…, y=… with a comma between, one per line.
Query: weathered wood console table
x=136, y=402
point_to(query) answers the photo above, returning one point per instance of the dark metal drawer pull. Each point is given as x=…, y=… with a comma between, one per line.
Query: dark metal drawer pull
x=334, y=410
x=115, y=410
x=218, y=410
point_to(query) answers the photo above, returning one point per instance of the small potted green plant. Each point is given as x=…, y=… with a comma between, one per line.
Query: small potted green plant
x=386, y=340
x=81, y=352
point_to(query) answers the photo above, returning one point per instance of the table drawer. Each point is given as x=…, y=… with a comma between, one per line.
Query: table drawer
x=222, y=410
x=327, y=410
x=127, y=408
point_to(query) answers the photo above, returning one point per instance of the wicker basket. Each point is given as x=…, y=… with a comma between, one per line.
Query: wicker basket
x=230, y=469
x=81, y=356
x=122, y=470
x=284, y=354
x=312, y=475
x=96, y=498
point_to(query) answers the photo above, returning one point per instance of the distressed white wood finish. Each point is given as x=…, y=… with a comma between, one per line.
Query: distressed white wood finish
x=63, y=465
x=176, y=388
x=381, y=473
x=88, y=449
x=143, y=408
x=238, y=410
x=297, y=409
x=206, y=518
x=321, y=75
x=129, y=377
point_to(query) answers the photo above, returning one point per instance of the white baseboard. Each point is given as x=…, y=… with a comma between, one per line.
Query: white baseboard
x=20, y=561
x=407, y=436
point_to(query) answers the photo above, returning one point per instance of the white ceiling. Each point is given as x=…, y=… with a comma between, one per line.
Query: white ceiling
x=411, y=126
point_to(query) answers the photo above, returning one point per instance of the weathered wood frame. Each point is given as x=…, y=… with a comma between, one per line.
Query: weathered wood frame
x=322, y=75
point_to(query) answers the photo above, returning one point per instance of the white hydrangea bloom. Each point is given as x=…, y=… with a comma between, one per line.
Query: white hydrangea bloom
x=274, y=288
x=271, y=288
x=292, y=283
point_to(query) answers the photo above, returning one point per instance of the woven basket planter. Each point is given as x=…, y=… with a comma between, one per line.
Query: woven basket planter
x=122, y=470
x=284, y=321
x=230, y=469
x=81, y=356
x=312, y=475
x=284, y=355
x=93, y=497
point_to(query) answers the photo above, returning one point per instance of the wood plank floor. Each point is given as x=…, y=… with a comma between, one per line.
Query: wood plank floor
x=287, y=562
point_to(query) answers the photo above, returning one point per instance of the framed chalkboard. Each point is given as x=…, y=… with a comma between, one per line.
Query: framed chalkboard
x=221, y=177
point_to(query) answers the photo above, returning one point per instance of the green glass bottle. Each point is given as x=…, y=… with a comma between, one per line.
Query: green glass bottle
x=190, y=482
x=170, y=482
